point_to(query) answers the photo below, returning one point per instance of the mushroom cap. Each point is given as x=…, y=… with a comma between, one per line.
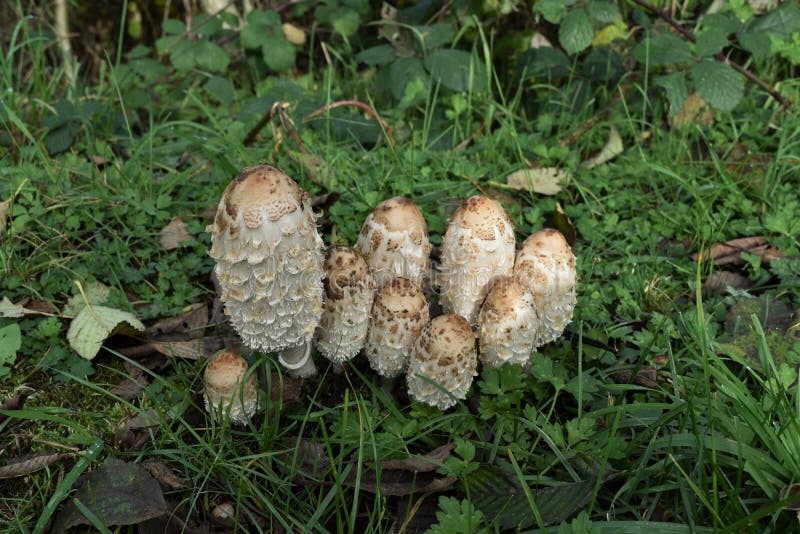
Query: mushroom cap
x=443, y=362
x=399, y=312
x=349, y=289
x=394, y=239
x=508, y=324
x=269, y=259
x=545, y=265
x=477, y=247
x=228, y=391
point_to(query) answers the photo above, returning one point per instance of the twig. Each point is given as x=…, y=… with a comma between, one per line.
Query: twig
x=361, y=105
x=666, y=17
x=62, y=30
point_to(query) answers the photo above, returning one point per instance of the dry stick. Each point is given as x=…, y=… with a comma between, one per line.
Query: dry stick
x=719, y=55
x=361, y=105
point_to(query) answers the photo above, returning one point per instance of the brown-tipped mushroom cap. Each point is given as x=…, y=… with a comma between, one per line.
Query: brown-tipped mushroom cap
x=399, y=312
x=477, y=247
x=229, y=391
x=545, y=265
x=443, y=362
x=269, y=264
x=349, y=289
x=394, y=239
x=508, y=324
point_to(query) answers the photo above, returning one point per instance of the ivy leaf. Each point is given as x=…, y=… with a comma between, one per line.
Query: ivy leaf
x=662, y=49
x=575, y=32
x=675, y=86
x=718, y=84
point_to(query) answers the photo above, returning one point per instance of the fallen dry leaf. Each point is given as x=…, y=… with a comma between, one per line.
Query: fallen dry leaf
x=174, y=234
x=396, y=483
x=293, y=34
x=30, y=463
x=129, y=388
x=9, y=309
x=428, y=462
x=610, y=150
x=543, y=180
x=695, y=110
x=645, y=377
x=193, y=349
x=192, y=321
x=162, y=472
x=719, y=282
x=4, y=205
x=730, y=252
x=564, y=224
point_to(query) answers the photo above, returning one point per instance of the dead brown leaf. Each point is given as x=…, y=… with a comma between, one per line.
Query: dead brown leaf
x=129, y=388
x=543, y=180
x=564, y=224
x=30, y=463
x=719, y=282
x=428, y=462
x=162, y=472
x=645, y=377
x=4, y=205
x=286, y=390
x=193, y=349
x=730, y=252
x=397, y=483
x=695, y=110
x=174, y=234
x=192, y=321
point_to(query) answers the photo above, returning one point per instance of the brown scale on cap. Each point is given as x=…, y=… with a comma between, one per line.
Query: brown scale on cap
x=344, y=268
x=508, y=324
x=399, y=312
x=482, y=215
x=443, y=362
x=262, y=187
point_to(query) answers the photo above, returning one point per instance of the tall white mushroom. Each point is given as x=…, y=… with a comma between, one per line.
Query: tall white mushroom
x=545, y=265
x=228, y=390
x=399, y=312
x=269, y=264
x=349, y=288
x=394, y=239
x=509, y=325
x=477, y=247
x=443, y=362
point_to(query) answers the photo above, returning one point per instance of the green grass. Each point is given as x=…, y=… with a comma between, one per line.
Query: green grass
x=709, y=446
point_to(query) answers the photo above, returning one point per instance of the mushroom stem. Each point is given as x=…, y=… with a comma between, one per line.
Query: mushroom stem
x=297, y=360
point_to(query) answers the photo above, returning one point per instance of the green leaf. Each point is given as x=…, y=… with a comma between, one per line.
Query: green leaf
x=436, y=35
x=377, y=55
x=212, y=57
x=603, y=10
x=780, y=23
x=544, y=63
x=260, y=26
x=173, y=27
x=457, y=70
x=575, y=32
x=718, y=84
x=94, y=324
x=662, y=49
x=553, y=11
x=220, y=89
x=183, y=56
x=346, y=21
x=675, y=87
x=603, y=64
x=710, y=41
x=278, y=54
x=10, y=343
x=456, y=517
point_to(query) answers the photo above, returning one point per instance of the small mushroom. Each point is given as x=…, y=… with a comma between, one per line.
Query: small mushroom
x=399, y=312
x=394, y=239
x=269, y=264
x=346, y=307
x=443, y=362
x=508, y=324
x=477, y=247
x=545, y=265
x=229, y=391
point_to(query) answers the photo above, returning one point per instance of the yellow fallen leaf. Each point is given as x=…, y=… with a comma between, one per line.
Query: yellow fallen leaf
x=173, y=234
x=4, y=205
x=607, y=35
x=294, y=34
x=611, y=150
x=543, y=180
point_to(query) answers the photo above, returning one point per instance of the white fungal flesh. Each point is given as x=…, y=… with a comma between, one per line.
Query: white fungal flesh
x=399, y=312
x=546, y=266
x=349, y=289
x=509, y=324
x=478, y=247
x=394, y=240
x=443, y=362
x=229, y=391
x=269, y=260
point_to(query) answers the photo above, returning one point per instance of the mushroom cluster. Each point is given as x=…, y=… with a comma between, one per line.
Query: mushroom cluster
x=281, y=294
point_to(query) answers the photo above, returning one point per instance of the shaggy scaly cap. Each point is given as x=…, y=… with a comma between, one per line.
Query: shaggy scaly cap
x=227, y=392
x=269, y=259
x=398, y=314
x=477, y=247
x=443, y=362
x=508, y=324
x=545, y=265
x=348, y=299
x=394, y=239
